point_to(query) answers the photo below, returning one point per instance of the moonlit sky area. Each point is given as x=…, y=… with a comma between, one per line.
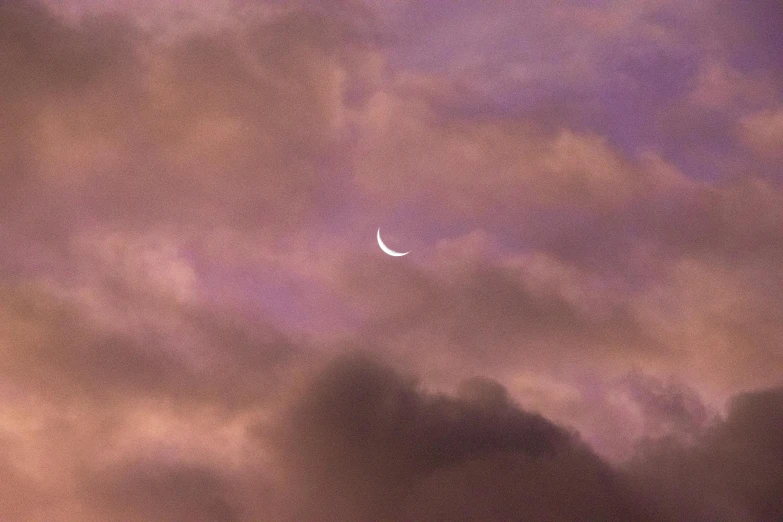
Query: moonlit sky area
x=197, y=324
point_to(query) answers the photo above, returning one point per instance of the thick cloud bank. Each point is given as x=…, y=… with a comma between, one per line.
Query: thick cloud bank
x=364, y=442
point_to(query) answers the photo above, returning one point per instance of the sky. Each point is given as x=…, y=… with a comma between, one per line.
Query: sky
x=197, y=324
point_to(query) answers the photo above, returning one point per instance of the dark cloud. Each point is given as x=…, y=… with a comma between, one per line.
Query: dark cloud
x=733, y=472
x=365, y=443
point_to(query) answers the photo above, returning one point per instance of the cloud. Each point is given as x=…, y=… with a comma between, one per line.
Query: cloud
x=57, y=350
x=190, y=198
x=763, y=131
x=731, y=473
x=362, y=440
x=109, y=124
x=152, y=490
x=366, y=443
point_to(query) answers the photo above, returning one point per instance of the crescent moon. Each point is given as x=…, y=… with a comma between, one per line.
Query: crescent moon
x=387, y=249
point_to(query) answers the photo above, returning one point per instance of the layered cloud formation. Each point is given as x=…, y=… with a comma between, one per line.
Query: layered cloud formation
x=196, y=323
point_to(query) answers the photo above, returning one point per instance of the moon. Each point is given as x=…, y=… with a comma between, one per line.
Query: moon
x=387, y=249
